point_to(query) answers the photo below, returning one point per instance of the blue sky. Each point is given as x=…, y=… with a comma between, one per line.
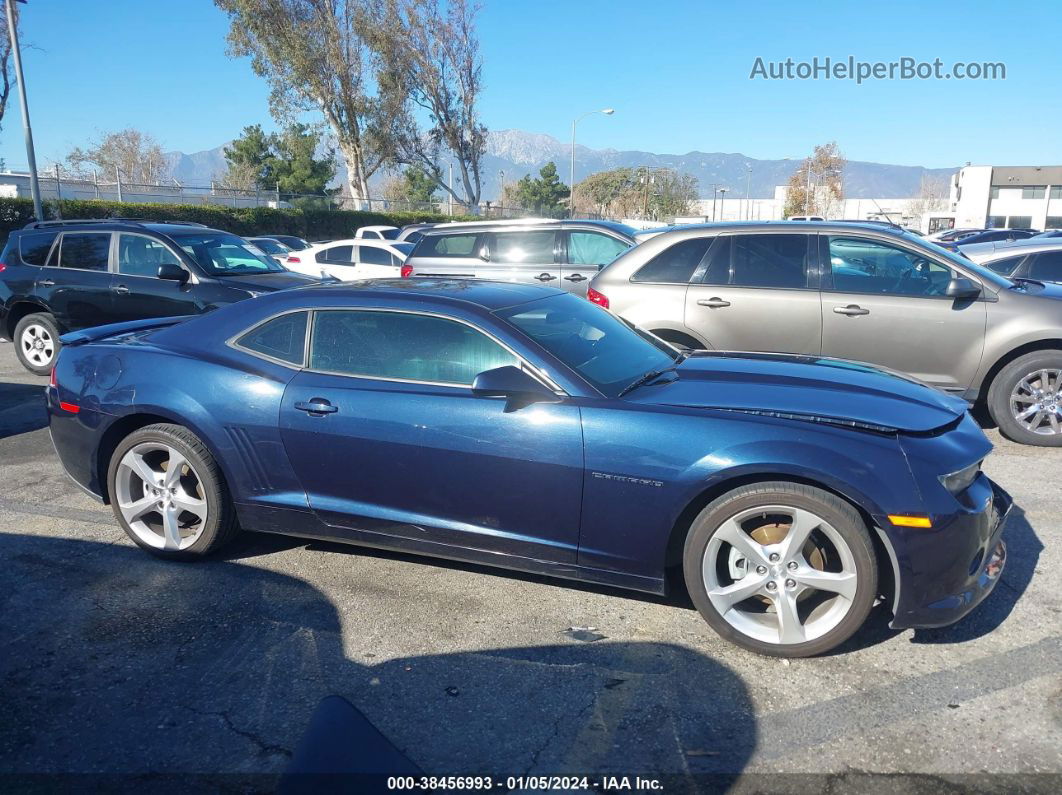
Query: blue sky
x=676, y=72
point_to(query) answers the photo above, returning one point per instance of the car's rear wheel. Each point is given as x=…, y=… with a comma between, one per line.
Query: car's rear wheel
x=1025, y=399
x=168, y=493
x=36, y=341
x=781, y=568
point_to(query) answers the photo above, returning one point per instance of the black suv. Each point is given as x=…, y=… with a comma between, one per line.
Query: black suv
x=60, y=276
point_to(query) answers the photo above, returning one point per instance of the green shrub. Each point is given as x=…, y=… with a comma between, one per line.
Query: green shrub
x=312, y=223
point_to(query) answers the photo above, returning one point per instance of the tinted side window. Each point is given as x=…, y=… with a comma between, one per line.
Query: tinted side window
x=402, y=346
x=519, y=247
x=675, y=264
x=33, y=248
x=141, y=256
x=371, y=255
x=281, y=338
x=1005, y=266
x=1047, y=266
x=447, y=246
x=335, y=254
x=86, y=250
x=769, y=260
x=593, y=248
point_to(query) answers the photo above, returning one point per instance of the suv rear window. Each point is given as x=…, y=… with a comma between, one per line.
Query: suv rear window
x=33, y=248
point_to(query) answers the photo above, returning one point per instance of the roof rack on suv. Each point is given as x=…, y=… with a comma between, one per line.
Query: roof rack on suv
x=119, y=220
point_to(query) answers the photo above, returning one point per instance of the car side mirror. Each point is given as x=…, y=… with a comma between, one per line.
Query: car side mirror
x=173, y=273
x=511, y=382
x=962, y=289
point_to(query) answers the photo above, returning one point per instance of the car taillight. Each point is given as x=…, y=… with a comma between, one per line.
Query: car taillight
x=594, y=297
x=296, y=260
x=3, y=267
x=407, y=271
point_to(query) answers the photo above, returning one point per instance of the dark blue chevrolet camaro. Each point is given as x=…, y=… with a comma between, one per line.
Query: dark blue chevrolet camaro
x=523, y=427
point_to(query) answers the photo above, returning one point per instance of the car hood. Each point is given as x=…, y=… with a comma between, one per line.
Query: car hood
x=805, y=387
x=267, y=282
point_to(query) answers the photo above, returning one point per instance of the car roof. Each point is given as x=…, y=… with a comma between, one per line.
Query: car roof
x=788, y=226
x=121, y=224
x=476, y=226
x=360, y=241
x=1018, y=248
x=481, y=293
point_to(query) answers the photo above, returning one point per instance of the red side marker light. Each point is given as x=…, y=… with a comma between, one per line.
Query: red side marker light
x=73, y=408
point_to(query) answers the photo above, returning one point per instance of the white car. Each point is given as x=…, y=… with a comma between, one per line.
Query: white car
x=377, y=233
x=349, y=260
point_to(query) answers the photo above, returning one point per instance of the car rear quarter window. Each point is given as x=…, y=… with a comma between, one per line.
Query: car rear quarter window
x=463, y=245
x=282, y=338
x=87, y=251
x=402, y=346
x=593, y=248
x=675, y=264
x=34, y=247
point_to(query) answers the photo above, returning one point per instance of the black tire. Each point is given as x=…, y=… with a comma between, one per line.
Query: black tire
x=679, y=339
x=39, y=364
x=1003, y=385
x=220, y=526
x=840, y=515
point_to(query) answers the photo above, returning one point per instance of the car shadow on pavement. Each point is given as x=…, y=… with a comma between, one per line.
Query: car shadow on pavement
x=1023, y=552
x=144, y=672
x=22, y=409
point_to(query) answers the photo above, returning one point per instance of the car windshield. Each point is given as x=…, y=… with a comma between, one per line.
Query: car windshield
x=961, y=261
x=607, y=352
x=222, y=254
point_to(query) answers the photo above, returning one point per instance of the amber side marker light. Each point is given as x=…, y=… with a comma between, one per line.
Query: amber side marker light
x=911, y=521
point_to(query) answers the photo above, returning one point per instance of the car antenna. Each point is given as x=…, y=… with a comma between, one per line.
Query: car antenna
x=888, y=220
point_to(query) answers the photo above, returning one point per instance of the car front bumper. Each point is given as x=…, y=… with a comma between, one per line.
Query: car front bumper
x=932, y=596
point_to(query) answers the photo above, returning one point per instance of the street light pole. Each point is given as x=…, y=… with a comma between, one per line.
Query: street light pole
x=722, y=202
x=35, y=188
x=571, y=173
x=748, y=183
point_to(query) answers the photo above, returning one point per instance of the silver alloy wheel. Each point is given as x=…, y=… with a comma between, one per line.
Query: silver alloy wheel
x=1036, y=402
x=160, y=496
x=771, y=592
x=38, y=346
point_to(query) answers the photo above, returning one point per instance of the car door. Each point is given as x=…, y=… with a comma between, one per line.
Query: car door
x=388, y=439
x=583, y=254
x=757, y=292
x=138, y=291
x=528, y=256
x=76, y=282
x=884, y=303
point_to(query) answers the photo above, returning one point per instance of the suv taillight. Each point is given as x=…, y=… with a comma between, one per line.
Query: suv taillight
x=407, y=271
x=594, y=297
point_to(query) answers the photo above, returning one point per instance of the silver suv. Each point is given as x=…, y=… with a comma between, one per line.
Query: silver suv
x=866, y=292
x=565, y=254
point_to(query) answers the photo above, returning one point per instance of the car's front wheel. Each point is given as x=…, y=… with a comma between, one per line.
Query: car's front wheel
x=1025, y=399
x=36, y=341
x=168, y=493
x=781, y=568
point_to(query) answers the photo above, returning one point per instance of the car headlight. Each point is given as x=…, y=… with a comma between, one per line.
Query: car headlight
x=958, y=482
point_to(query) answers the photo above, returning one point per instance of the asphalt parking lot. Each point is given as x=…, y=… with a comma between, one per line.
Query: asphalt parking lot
x=115, y=662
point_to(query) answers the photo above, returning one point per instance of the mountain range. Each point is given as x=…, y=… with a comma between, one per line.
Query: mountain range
x=511, y=154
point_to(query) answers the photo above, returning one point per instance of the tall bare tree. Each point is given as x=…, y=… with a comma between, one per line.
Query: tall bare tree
x=932, y=197
x=136, y=154
x=7, y=65
x=315, y=56
x=429, y=53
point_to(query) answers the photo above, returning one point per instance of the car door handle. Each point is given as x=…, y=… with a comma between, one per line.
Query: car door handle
x=576, y=277
x=851, y=310
x=545, y=277
x=121, y=289
x=714, y=303
x=46, y=283
x=316, y=406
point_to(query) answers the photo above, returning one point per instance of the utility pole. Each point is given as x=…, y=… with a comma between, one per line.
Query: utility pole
x=807, y=193
x=722, y=206
x=748, y=182
x=451, y=196
x=715, y=193
x=118, y=179
x=35, y=188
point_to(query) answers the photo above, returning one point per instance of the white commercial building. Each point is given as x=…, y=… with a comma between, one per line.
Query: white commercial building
x=740, y=209
x=1005, y=196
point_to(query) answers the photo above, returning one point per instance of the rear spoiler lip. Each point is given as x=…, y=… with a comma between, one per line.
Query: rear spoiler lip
x=113, y=329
